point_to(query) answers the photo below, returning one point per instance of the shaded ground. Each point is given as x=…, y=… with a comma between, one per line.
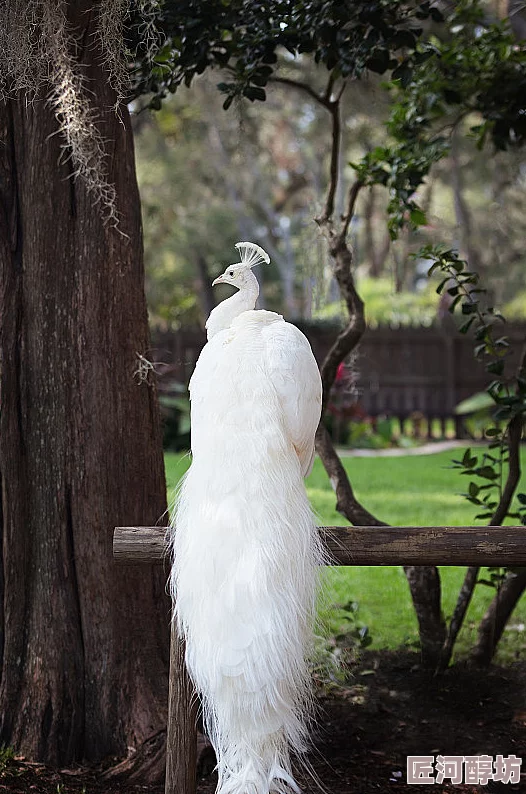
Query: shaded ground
x=390, y=710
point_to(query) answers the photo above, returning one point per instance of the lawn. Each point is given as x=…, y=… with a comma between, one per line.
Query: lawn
x=410, y=490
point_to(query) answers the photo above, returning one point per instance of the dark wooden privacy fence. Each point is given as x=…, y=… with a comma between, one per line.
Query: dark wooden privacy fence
x=488, y=546
x=416, y=373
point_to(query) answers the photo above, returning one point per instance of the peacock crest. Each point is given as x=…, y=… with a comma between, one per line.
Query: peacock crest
x=252, y=254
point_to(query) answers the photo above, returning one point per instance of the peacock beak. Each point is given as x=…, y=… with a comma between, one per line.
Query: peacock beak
x=218, y=280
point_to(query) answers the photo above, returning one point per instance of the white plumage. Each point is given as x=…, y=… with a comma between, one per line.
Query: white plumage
x=246, y=551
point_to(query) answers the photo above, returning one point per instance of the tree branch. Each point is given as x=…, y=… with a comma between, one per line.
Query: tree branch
x=346, y=502
x=305, y=87
x=328, y=212
x=348, y=338
x=494, y=621
x=333, y=106
x=423, y=582
x=328, y=91
x=351, y=203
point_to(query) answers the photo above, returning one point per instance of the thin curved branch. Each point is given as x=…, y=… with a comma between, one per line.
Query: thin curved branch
x=305, y=87
x=514, y=471
x=497, y=615
x=333, y=106
x=346, y=502
x=430, y=623
x=351, y=203
x=328, y=211
x=328, y=91
x=348, y=338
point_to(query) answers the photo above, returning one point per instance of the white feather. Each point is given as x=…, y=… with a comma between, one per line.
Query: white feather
x=252, y=254
x=246, y=551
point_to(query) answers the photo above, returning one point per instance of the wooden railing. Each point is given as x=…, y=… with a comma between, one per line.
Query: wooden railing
x=485, y=546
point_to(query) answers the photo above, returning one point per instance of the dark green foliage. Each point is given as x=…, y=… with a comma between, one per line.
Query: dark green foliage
x=245, y=38
x=496, y=577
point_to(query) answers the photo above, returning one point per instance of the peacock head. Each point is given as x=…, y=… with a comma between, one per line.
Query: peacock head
x=240, y=274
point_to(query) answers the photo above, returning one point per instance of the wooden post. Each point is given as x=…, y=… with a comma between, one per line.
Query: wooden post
x=181, y=732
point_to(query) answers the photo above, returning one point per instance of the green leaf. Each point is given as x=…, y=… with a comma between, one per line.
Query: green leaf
x=254, y=92
x=493, y=431
x=466, y=326
x=379, y=62
x=467, y=457
x=496, y=367
x=473, y=489
x=487, y=472
x=442, y=285
x=418, y=217
x=454, y=302
x=434, y=267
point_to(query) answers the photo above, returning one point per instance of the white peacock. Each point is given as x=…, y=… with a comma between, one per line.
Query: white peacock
x=246, y=551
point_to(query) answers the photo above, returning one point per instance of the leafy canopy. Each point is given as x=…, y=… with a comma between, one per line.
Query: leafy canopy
x=441, y=70
x=244, y=37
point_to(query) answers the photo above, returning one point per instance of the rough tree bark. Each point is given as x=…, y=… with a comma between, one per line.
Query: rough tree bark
x=85, y=644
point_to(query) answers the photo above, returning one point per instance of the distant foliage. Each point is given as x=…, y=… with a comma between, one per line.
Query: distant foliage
x=385, y=307
x=473, y=71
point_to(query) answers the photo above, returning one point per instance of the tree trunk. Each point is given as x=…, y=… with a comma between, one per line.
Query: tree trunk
x=85, y=643
x=497, y=615
x=206, y=292
x=462, y=211
x=375, y=255
x=424, y=583
x=517, y=18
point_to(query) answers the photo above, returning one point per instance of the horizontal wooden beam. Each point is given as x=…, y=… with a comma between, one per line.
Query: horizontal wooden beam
x=484, y=546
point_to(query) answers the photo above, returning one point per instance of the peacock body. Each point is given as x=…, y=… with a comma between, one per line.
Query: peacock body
x=246, y=551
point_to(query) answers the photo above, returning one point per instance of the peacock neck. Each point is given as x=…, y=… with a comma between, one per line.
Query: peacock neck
x=242, y=301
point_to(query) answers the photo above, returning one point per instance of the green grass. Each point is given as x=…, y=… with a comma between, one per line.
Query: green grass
x=410, y=490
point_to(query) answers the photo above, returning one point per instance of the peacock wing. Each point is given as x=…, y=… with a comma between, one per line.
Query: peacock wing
x=293, y=370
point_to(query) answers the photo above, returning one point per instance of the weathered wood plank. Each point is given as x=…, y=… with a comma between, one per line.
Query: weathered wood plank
x=486, y=546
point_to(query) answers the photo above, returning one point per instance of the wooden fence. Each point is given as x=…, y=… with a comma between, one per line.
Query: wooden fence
x=415, y=373
x=492, y=546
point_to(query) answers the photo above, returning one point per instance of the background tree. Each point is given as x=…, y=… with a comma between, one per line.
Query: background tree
x=83, y=645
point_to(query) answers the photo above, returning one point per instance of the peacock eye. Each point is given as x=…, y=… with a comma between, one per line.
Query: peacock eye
x=231, y=274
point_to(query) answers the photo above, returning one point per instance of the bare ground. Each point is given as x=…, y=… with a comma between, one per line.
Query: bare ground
x=390, y=709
